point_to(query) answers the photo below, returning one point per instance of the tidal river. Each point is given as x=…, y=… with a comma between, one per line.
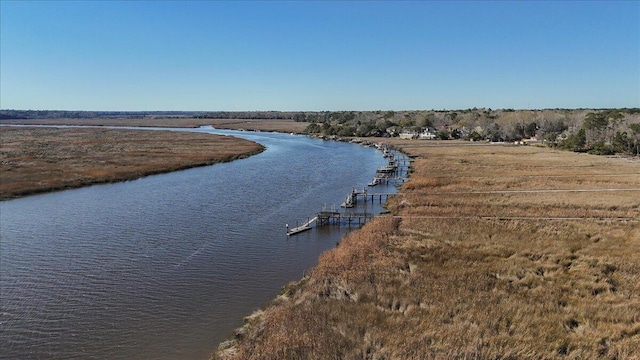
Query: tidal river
x=165, y=267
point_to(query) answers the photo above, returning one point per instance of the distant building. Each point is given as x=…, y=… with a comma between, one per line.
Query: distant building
x=408, y=135
x=428, y=134
x=531, y=141
x=392, y=131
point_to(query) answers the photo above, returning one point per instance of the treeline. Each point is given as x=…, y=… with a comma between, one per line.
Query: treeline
x=604, y=133
x=71, y=114
x=250, y=115
x=598, y=131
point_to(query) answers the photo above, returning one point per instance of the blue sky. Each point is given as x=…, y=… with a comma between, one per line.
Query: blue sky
x=326, y=55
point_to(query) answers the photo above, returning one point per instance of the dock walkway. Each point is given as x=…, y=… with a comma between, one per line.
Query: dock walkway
x=390, y=172
x=325, y=218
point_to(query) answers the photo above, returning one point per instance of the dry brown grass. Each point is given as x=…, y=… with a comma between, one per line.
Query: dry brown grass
x=34, y=160
x=470, y=267
x=150, y=121
x=286, y=126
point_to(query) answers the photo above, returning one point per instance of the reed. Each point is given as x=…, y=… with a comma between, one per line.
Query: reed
x=463, y=269
x=35, y=160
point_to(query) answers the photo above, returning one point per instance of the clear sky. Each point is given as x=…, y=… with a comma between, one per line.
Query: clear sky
x=326, y=55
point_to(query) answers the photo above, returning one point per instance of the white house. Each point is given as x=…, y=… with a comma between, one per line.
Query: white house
x=408, y=135
x=428, y=134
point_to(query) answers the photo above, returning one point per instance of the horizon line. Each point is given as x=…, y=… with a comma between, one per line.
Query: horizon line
x=321, y=111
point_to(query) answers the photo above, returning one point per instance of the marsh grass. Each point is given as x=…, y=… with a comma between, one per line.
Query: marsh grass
x=34, y=160
x=281, y=125
x=462, y=272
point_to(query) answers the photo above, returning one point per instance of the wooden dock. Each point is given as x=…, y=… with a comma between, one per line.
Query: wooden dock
x=325, y=218
x=352, y=198
x=390, y=172
x=298, y=229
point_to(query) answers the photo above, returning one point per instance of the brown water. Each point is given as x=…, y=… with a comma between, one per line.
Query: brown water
x=165, y=267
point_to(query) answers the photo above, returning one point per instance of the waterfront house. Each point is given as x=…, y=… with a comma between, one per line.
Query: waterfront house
x=408, y=135
x=428, y=134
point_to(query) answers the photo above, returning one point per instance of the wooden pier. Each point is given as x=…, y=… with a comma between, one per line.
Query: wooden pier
x=390, y=172
x=325, y=218
x=352, y=198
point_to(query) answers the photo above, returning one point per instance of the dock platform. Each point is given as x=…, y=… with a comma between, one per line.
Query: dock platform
x=325, y=218
x=391, y=172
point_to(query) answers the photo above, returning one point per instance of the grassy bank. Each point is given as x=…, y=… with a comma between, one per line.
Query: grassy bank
x=280, y=125
x=36, y=160
x=491, y=252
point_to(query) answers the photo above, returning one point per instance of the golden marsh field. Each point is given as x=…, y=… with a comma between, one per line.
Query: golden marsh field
x=35, y=160
x=490, y=251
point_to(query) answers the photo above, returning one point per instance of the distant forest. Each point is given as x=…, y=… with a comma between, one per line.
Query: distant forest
x=66, y=114
x=597, y=131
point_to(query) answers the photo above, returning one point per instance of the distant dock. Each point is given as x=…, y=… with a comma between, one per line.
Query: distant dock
x=385, y=174
x=352, y=198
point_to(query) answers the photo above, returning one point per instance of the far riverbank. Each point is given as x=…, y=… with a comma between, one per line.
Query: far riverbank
x=278, y=125
x=37, y=160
